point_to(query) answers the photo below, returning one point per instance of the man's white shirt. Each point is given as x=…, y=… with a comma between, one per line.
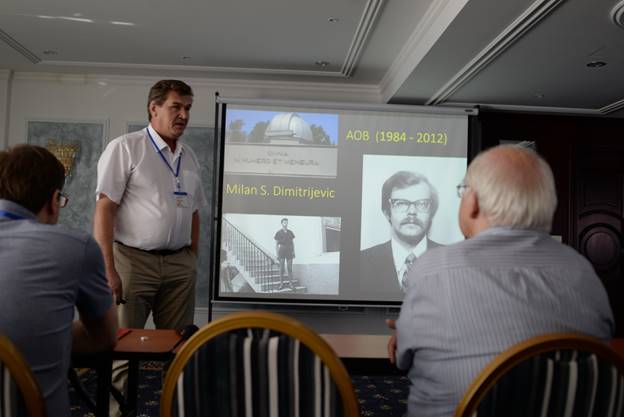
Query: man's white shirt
x=133, y=174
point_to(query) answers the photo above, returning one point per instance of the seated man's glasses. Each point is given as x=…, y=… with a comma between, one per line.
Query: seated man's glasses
x=62, y=199
x=402, y=206
x=461, y=189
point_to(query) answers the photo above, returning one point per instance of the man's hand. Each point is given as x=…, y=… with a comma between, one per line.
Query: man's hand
x=392, y=343
x=115, y=283
x=95, y=334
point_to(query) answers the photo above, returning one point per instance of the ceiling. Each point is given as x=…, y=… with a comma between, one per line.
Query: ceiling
x=524, y=55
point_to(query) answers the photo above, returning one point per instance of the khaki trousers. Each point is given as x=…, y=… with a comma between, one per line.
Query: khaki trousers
x=163, y=285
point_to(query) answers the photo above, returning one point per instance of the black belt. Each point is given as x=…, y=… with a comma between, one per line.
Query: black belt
x=159, y=252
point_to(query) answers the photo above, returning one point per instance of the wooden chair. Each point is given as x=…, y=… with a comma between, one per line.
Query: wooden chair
x=259, y=362
x=558, y=374
x=19, y=392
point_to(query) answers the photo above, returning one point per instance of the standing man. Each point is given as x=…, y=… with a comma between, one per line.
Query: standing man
x=508, y=282
x=147, y=214
x=409, y=202
x=48, y=271
x=285, y=250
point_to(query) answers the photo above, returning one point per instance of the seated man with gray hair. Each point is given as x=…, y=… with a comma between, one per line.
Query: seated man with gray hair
x=507, y=282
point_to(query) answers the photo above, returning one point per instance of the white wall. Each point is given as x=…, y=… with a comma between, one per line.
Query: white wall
x=5, y=82
x=119, y=100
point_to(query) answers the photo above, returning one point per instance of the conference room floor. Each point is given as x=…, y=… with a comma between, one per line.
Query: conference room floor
x=381, y=392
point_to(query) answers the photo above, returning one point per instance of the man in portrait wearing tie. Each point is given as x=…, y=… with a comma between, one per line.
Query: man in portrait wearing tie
x=409, y=202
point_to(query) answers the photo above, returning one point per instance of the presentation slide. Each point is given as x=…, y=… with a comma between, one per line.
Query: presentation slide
x=333, y=206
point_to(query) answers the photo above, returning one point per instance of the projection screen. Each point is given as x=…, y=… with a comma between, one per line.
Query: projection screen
x=320, y=203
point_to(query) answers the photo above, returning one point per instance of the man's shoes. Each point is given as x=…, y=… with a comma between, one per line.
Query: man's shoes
x=281, y=287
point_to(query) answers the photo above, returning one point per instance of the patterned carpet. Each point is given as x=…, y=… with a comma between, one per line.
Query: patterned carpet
x=379, y=395
x=149, y=388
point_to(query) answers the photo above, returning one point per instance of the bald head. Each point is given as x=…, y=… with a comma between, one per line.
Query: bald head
x=513, y=187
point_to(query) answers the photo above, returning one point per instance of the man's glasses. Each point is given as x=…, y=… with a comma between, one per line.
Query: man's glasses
x=402, y=206
x=62, y=199
x=461, y=190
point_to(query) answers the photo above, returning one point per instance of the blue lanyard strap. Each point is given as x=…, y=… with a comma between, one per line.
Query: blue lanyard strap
x=11, y=216
x=175, y=173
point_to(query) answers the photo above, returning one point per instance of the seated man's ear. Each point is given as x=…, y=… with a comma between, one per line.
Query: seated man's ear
x=56, y=198
x=472, y=204
x=471, y=219
x=478, y=217
x=50, y=211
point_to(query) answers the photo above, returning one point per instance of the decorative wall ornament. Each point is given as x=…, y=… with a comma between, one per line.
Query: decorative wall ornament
x=64, y=152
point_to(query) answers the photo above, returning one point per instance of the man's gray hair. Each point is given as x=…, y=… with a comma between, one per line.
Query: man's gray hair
x=514, y=186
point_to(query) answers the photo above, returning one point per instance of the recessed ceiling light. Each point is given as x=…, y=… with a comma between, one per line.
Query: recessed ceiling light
x=75, y=19
x=539, y=95
x=77, y=15
x=322, y=64
x=120, y=23
x=333, y=20
x=50, y=52
x=596, y=64
x=70, y=18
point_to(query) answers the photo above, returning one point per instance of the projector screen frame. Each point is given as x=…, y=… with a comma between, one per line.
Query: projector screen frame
x=473, y=147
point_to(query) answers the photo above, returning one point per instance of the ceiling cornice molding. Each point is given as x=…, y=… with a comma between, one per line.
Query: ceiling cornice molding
x=618, y=105
x=218, y=83
x=518, y=28
x=436, y=20
x=363, y=30
x=193, y=68
x=529, y=109
x=18, y=47
x=5, y=74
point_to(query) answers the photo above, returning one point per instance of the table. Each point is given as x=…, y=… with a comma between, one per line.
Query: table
x=618, y=346
x=375, y=346
x=137, y=345
x=367, y=346
x=362, y=353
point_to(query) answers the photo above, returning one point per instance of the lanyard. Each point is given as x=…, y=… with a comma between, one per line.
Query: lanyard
x=11, y=216
x=175, y=173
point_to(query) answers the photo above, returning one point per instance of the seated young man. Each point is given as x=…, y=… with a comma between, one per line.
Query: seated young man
x=47, y=270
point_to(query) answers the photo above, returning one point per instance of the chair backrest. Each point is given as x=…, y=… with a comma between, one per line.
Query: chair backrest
x=19, y=392
x=257, y=364
x=557, y=374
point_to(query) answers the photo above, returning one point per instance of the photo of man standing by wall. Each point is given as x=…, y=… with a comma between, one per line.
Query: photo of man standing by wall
x=285, y=251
